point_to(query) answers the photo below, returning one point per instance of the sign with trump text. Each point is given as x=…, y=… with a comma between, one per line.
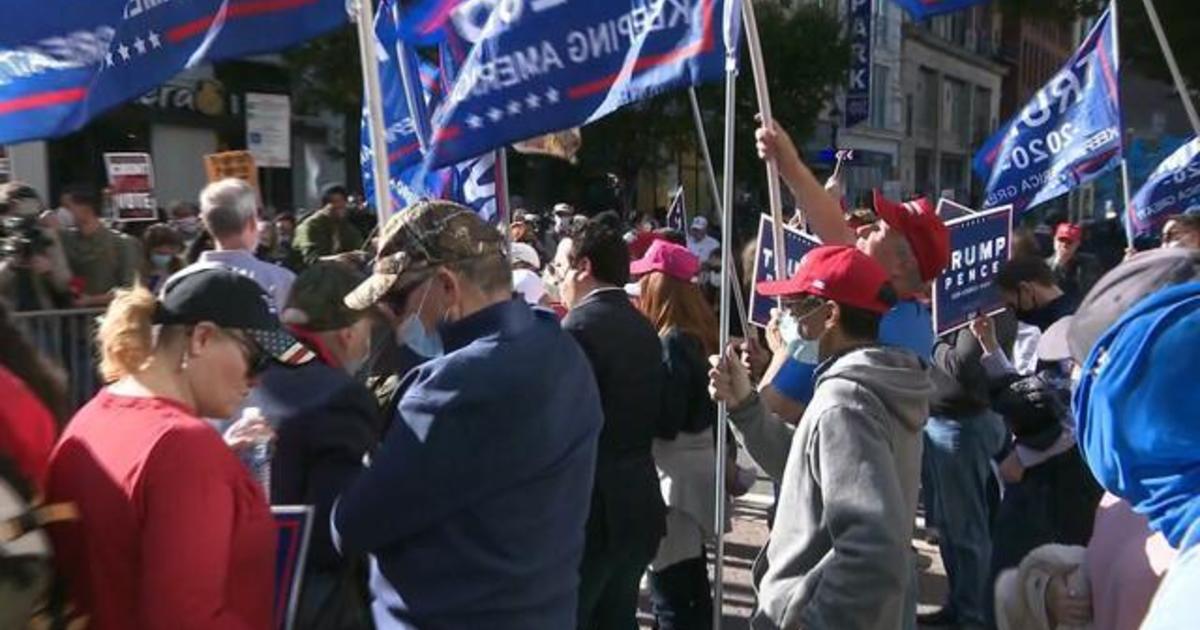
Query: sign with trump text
x=797, y=244
x=980, y=244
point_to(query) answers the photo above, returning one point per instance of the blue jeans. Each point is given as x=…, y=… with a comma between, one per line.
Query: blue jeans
x=956, y=473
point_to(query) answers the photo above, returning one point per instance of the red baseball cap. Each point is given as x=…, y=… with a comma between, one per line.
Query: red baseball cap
x=674, y=260
x=1068, y=232
x=840, y=273
x=918, y=221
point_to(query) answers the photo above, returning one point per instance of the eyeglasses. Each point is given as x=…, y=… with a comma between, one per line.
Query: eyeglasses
x=257, y=361
x=804, y=307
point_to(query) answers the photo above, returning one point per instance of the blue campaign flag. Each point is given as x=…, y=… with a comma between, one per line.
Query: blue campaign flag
x=677, y=213
x=921, y=9
x=546, y=65
x=424, y=22
x=1068, y=135
x=980, y=244
x=1173, y=187
x=64, y=62
x=474, y=182
x=796, y=245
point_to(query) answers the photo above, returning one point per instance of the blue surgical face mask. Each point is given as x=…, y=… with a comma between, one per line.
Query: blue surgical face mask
x=412, y=333
x=801, y=349
x=161, y=261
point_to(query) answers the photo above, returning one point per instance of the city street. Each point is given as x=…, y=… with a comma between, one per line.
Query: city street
x=748, y=537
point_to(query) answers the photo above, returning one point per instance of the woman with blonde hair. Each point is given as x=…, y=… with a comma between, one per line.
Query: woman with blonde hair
x=684, y=449
x=173, y=532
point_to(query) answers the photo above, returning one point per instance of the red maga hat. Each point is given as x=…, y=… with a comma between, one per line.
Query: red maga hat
x=674, y=260
x=923, y=229
x=840, y=273
x=1068, y=232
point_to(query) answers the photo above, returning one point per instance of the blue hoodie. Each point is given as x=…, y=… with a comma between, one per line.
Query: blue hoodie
x=474, y=509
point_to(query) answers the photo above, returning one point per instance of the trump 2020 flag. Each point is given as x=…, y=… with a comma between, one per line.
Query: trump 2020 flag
x=921, y=9
x=475, y=182
x=424, y=22
x=409, y=182
x=63, y=62
x=547, y=65
x=1173, y=187
x=1069, y=134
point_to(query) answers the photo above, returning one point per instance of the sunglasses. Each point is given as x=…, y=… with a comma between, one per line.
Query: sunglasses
x=257, y=361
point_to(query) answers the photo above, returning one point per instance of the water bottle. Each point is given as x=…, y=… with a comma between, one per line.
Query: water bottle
x=260, y=464
x=258, y=456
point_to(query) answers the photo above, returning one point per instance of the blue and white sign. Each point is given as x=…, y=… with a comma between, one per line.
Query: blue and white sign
x=63, y=62
x=979, y=245
x=538, y=66
x=1069, y=134
x=858, y=89
x=1172, y=188
x=796, y=245
x=922, y=9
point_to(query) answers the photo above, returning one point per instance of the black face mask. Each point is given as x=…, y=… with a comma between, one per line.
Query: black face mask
x=1041, y=317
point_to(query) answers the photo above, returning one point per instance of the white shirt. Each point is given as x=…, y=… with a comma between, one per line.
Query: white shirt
x=703, y=248
x=529, y=285
x=275, y=280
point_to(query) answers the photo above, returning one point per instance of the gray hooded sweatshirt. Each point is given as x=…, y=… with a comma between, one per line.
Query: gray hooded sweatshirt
x=838, y=556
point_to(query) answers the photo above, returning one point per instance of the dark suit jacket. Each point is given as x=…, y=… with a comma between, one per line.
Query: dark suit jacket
x=627, y=358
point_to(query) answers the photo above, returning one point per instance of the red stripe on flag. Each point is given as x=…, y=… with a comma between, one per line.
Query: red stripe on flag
x=449, y=133
x=247, y=9
x=403, y=151
x=43, y=99
x=679, y=54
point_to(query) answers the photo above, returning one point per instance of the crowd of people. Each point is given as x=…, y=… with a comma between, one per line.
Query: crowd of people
x=517, y=429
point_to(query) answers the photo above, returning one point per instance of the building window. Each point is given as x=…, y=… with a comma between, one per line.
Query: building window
x=982, y=127
x=957, y=118
x=923, y=173
x=953, y=171
x=927, y=100
x=879, y=96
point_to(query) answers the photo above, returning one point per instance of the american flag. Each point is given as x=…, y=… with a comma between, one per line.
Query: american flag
x=677, y=213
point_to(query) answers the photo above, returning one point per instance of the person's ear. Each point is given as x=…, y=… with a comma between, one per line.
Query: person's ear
x=833, y=315
x=584, y=267
x=203, y=335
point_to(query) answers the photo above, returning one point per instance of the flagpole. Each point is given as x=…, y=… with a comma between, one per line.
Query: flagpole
x=1125, y=185
x=739, y=297
x=731, y=57
x=774, y=194
x=374, y=97
x=1180, y=83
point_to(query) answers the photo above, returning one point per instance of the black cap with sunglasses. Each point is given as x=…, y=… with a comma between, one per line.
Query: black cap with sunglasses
x=235, y=302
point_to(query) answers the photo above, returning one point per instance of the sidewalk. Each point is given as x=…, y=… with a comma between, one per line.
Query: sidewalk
x=750, y=534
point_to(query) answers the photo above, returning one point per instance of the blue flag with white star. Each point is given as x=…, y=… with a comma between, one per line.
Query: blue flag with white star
x=546, y=65
x=64, y=62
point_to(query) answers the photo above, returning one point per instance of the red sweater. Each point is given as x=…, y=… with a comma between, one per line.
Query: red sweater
x=173, y=532
x=27, y=429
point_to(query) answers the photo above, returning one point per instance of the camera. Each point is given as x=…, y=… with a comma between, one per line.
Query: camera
x=21, y=238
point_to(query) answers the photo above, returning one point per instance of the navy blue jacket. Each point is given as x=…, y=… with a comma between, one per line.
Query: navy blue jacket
x=325, y=422
x=475, y=505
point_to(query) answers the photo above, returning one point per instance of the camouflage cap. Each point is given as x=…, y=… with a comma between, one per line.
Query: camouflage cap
x=317, y=298
x=421, y=238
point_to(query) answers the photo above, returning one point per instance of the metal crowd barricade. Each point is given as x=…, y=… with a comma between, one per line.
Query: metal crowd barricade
x=68, y=339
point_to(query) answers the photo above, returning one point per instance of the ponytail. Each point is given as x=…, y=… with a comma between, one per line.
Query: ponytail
x=126, y=336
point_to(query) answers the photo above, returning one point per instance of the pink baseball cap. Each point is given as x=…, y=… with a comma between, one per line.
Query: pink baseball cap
x=667, y=257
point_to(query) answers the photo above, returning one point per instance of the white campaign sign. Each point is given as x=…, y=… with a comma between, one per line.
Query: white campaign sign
x=269, y=129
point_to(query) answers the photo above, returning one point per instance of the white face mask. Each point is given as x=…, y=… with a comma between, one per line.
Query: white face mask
x=413, y=334
x=801, y=349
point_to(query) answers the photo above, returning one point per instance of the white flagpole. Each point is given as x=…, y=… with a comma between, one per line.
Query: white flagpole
x=739, y=297
x=374, y=98
x=731, y=56
x=774, y=194
x=1125, y=185
x=1180, y=83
